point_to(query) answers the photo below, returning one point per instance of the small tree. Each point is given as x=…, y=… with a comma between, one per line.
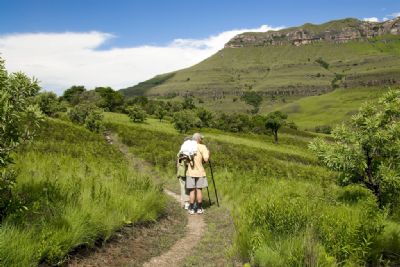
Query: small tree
x=185, y=120
x=205, y=116
x=366, y=151
x=137, y=114
x=94, y=120
x=111, y=100
x=253, y=99
x=19, y=122
x=274, y=121
x=160, y=113
x=87, y=114
x=71, y=94
x=188, y=103
x=48, y=103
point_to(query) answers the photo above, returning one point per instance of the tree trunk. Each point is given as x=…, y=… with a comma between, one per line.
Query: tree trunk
x=276, y=137
x=371, y=183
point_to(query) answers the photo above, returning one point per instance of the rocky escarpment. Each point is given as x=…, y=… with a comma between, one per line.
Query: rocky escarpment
x=339, y=31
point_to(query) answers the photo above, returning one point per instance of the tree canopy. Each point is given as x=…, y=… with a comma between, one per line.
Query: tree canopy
x=274, y=121
x=366, y=150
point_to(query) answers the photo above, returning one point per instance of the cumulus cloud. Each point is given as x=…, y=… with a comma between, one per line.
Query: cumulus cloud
x=60, y=60
x=372, y=19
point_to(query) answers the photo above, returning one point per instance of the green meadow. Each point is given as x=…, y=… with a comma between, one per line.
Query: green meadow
x=329, y=109
x=287, y=209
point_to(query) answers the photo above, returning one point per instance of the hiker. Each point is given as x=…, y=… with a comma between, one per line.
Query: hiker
x=196, y=178
x=185, y=155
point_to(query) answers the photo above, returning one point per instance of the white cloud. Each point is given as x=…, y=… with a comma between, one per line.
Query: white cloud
x=395, y=15
x=60, y=60
x=373, y=19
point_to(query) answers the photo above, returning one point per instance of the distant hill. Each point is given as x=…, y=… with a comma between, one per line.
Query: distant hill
x=293, y=62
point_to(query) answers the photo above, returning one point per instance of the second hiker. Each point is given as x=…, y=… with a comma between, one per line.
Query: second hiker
x=196, y=178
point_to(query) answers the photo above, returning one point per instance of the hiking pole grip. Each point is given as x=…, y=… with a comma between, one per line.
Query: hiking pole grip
x=212, y=178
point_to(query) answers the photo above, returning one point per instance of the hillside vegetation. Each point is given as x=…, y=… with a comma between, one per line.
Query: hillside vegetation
x=73, y=189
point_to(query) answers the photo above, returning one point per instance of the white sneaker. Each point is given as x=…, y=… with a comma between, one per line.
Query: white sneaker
x=186, y=205
x=200, y=211
x=191, y=211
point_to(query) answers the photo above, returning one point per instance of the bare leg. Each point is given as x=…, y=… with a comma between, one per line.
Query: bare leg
x=199, y=195
x=192, y=195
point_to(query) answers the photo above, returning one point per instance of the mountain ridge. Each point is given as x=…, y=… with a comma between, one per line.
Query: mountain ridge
x=337, y=31
x=287, y=70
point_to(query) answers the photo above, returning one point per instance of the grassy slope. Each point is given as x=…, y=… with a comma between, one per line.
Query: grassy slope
x=329, y=109
x=287, y=209
x=271, y=67
x=76, y=189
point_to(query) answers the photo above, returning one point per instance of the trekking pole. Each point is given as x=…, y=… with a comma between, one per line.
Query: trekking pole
x=212, y=178
x=209, y=199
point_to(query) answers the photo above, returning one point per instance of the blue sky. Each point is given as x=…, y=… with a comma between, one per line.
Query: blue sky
x=98, y=42
x=160, y=21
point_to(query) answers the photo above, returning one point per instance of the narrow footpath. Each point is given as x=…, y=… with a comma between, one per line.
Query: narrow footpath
x=194, y=229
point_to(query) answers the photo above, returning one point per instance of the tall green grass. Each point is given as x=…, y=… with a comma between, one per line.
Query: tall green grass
x=288, y=210
x=73, y=189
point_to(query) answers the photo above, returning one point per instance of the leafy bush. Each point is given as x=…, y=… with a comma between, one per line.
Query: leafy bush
x=136, y=113
x=94, y=121
x=188, y=103
x=233, y=122
x=366, y=150
x=206, y=117
x=326, y=129
x=19, y=121
x=185, y=120
x=110, y=100
x=322, y=63
x=292, y=125
x=88, y=115
x=48, y=103
x=160, y=113
x=71, y=94
x=253, y=99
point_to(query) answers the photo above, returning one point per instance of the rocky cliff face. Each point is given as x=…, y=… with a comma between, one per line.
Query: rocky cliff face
x=339, y=31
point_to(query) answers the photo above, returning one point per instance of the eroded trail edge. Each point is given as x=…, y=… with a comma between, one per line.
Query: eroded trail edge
x=194, y=229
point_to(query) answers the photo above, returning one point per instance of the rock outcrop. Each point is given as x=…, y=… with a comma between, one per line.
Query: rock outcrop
x=339, y=31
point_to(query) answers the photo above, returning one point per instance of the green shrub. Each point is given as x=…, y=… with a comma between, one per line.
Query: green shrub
x=136, y=113
x=185, y=120
x=366, y=149
x=322, y=63
x=326, y=129
x=94, y=121
x=48, y=103
x=88, y=115
x=253, y=99
x=19, y=122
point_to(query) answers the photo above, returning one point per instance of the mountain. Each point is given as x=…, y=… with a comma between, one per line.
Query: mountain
x=290, y=63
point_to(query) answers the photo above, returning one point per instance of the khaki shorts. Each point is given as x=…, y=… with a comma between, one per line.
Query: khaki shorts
x=196, y=182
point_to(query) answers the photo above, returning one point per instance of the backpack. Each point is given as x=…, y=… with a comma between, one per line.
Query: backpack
x=182, y=166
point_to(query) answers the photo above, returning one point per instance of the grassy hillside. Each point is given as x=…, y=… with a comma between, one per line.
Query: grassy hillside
x=72, y=190
x=287, y=209
x=328, y=109
x=284, y=70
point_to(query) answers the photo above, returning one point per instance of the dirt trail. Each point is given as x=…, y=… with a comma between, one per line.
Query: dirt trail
x=184, y=247
x=194, y=229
